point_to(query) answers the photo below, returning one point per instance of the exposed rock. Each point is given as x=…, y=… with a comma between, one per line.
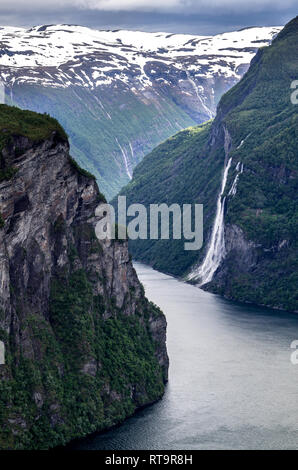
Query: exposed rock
x=74, y=318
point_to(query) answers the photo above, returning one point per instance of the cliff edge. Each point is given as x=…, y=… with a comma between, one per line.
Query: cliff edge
x=83, y=346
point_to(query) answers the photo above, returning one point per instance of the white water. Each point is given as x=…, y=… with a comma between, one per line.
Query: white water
x=128, y=172
x=197, y=92
x=216, y=250
x=239, y=170
x=131, y=151
x=242, y=141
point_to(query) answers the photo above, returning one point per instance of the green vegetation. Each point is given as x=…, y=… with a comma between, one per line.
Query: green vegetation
x=17, y=122
x=37, y=127
x=188, y=167
x=83, y=172
x=177, y=171
x=81, y=364
x=87, y=116
x=265, y=207
x=7, y=173
x=123, y=372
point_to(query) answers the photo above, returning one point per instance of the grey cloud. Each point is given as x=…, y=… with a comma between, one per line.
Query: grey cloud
x=197, y=17
x=186, y=6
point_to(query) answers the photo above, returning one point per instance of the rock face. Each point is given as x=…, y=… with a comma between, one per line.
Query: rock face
x=241, y=255
x=120, y=93
x=253, y=137
x=83, y=346
x=260, y=264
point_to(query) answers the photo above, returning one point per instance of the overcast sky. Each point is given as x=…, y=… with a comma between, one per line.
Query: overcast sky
x=185, y=16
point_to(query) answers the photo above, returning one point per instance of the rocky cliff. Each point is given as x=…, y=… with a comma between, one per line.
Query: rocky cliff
x=83, y=346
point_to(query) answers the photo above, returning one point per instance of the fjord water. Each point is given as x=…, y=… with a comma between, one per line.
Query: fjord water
x=231, y=382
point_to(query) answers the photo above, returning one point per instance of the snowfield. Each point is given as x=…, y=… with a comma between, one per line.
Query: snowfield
x=61, y=55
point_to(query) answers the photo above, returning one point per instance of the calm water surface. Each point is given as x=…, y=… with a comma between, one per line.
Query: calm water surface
x=231, y=382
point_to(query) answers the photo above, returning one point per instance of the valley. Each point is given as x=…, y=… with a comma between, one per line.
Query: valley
x=242, y=167
x=186, y=345
x=118, y=94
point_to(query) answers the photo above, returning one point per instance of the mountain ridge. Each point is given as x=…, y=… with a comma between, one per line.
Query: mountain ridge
x=254, y=137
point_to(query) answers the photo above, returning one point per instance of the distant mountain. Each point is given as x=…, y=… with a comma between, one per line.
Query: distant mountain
x=244, y=168
x=120, y=93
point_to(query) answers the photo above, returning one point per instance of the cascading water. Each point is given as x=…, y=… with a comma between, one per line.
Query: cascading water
x=239, y=170
x=198, y=95
x=128, y=172
x=216, y=249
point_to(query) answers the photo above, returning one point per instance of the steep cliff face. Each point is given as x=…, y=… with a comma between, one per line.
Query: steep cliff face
x=260, y=262
x=253, y=137
x=83, y=346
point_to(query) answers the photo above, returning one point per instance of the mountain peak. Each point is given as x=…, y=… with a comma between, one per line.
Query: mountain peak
x=89, y=79
x=289, y=29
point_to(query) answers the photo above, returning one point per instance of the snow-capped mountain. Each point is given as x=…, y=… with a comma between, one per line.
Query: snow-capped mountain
x=120, y=93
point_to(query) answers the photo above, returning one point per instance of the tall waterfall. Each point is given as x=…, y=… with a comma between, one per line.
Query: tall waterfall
x=216, y=249
x=125, y=160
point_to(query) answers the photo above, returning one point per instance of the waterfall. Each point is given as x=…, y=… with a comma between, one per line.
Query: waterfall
x=197, y=92
x=242, y=141
x=216, y=249
x=2, y=92
x=131, y=151
x=128, y=172
x=239, y=170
